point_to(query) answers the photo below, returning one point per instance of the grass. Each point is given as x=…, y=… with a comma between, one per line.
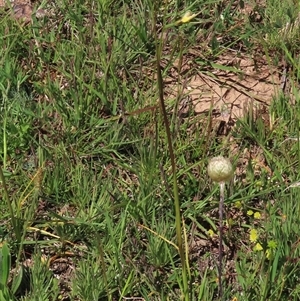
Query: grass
x=89, y=182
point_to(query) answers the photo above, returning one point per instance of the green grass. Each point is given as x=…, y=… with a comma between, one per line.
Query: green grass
x=87, y=198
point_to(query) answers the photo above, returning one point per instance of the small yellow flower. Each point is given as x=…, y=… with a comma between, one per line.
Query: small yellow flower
x=257, y=215
x=186, y=18
x=210, y=233
x=249, y=212
x=234, y=299
x=258, y=247
x=253, y=235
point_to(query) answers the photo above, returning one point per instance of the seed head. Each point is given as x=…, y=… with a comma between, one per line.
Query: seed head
x=220, y=169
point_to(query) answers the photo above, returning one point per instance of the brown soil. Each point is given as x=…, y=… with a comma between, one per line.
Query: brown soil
x=232, y=92
x=22, y=10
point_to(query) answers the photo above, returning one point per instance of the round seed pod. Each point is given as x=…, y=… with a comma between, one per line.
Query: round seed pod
x=220, y=169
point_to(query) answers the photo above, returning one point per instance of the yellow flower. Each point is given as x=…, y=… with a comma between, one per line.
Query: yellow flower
x=257, y=215
x=249, y=212
x=186, y=18
x=258, y=247
x=211, y=233
x=253, y=235
x=234, y=299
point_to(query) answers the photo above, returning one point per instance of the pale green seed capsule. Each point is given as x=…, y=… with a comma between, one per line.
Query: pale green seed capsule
x=220, y=169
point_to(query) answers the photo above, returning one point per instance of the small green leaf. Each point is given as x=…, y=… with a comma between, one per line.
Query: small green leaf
x=7, y=173
x=4, y=264
x=17, y=280
x=275, y=265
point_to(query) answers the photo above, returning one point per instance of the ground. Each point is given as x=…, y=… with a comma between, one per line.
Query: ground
x=89, y=208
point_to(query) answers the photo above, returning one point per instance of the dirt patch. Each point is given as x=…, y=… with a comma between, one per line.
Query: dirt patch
x=232, y=92
x=230, y=85
x=22, y=10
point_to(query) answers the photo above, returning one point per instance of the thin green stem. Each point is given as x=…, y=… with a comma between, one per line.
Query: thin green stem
x=221, y=205
x=175, y=186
